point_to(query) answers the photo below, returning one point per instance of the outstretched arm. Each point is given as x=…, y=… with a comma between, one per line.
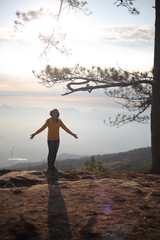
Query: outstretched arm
x=67, y=130
x=38, y=131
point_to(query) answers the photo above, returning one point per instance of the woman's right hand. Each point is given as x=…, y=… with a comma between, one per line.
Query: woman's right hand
x=32, y=136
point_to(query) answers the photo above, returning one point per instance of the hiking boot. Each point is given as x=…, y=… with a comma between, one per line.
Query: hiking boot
x=54, y=169
x=49, y=169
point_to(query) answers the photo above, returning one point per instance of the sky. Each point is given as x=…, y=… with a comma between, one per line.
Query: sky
x=108, y=37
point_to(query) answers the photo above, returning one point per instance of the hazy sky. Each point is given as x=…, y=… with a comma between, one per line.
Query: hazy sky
x=110, y=36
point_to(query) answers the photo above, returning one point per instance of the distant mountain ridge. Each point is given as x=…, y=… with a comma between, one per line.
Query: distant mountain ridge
x=64, y=156
x=133, y=160
x=27, y=165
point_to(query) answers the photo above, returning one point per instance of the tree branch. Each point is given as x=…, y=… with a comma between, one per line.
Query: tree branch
x=89, y=88
x=128, y=4
x=53, y=32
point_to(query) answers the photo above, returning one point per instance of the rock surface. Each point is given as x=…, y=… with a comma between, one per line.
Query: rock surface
x=38, y=205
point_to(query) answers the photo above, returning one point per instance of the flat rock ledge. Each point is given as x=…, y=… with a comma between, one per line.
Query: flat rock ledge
x=79, y=205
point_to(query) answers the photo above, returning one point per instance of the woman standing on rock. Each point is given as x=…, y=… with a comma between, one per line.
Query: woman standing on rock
x=54, y=123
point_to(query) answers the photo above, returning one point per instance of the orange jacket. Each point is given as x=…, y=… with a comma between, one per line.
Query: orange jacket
x=53, y=128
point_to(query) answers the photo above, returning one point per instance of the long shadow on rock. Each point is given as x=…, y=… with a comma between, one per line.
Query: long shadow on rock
x=58, y=221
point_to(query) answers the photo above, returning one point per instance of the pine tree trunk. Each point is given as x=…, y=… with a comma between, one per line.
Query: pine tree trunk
x=155, y=111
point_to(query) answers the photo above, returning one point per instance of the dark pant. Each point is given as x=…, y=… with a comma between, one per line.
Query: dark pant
x=53, y=146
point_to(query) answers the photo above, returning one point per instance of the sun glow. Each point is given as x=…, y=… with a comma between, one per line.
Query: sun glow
x=77, y=28
x=48, y=27
x=42, y=26
x=27, y=46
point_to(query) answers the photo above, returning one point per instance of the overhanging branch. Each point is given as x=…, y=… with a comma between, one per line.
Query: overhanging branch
x=100, y=85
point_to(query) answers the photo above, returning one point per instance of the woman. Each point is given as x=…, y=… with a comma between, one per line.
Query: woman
x=54, y=123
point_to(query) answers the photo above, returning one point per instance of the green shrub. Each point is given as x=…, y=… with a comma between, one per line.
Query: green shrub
x=93, y=166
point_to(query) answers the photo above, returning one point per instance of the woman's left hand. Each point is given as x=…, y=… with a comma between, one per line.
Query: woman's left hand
x=75, y=135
